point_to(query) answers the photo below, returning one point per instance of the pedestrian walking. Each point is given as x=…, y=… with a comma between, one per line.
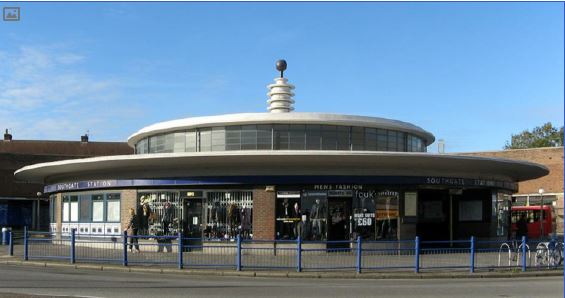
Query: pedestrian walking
x=133, y=227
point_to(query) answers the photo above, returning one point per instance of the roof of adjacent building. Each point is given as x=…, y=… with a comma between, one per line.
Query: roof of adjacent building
x=64, y=148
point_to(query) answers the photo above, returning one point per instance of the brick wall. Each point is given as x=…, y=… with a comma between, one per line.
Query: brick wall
x=58, y=211
x=263, y=214
x=551, y=157
x=128, y=200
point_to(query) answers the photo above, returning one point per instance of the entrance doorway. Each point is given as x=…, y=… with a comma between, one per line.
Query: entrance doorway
x=433, y=215
x=339, y=223
x=192, y=220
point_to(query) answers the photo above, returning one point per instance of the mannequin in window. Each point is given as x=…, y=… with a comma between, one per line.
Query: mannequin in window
x=287, y=224
x=168, y=213
x=296, y=218
x=144, y=216
x=318, y=216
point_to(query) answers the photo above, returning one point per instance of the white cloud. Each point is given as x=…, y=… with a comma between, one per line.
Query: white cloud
x=46, y=93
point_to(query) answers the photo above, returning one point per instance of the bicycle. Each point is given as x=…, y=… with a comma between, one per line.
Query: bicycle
x=549, y=253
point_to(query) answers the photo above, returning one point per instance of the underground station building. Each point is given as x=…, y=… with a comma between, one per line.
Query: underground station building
x=284, y=174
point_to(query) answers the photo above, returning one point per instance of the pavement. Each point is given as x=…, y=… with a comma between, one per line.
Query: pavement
x=65, y=281
x=287, y=274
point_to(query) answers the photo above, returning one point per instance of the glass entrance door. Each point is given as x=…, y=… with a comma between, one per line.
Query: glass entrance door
x=192, y=220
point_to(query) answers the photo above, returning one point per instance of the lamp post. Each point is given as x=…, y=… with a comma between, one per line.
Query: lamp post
x=541, y=191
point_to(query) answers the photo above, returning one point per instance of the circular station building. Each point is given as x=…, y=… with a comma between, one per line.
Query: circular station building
x=281, y=174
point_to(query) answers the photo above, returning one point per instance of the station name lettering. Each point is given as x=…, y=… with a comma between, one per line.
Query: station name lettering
x=67, y=186
x=99, y=183
x=445, y=181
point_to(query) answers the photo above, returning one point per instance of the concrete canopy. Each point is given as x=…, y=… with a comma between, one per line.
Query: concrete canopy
x=234, y=163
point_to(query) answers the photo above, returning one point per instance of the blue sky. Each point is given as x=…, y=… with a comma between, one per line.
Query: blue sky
x=470, y=73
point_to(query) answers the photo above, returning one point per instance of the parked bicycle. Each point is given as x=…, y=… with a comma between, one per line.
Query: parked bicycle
x=549, y=253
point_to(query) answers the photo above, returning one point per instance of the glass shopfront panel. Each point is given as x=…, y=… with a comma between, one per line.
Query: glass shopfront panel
x=159, y=212
x=337, y=214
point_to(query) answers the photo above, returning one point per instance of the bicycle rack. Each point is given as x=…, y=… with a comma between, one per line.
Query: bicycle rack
x=509, y=253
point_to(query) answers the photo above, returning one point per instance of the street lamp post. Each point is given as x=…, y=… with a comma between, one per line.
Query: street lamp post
x=541, y=191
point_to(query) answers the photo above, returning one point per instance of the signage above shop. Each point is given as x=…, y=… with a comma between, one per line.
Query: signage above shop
x=354, y=183
x=338, y=187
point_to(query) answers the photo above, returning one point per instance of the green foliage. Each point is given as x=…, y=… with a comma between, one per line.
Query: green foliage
x=541, y=136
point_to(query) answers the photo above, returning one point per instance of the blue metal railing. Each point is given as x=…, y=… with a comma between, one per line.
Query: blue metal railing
x=244, y=254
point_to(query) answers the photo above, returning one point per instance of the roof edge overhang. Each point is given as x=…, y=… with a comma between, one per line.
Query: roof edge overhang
x=281, y=163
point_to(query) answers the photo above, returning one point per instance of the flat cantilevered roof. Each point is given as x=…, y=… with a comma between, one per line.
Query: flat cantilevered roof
x=233, y=163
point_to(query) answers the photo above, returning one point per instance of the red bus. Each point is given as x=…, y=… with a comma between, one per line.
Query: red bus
x=533, y=216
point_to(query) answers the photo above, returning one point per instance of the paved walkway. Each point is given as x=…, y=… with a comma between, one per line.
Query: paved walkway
x=341, y=265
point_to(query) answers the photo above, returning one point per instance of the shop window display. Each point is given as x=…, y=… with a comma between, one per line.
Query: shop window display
x=386, y=215
x=159, y=213
x=304, y=215
x=227, y=214
x=288, y=216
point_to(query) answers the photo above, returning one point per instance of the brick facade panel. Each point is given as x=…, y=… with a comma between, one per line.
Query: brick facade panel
x=263, y=214
x=551, y=157
x=128, y=200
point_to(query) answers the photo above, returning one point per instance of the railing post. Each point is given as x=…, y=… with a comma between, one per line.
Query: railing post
x=73, y=246
x=180, y=246
x=524, y=254
x=125, y=245
x=238, y=253
x=359, y=252
x=472, y=254
x=417, y=255
x=26, y=248
x=11, y=246
x=298, y=254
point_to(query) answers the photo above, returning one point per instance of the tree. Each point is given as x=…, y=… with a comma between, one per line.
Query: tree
x=541, y=136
